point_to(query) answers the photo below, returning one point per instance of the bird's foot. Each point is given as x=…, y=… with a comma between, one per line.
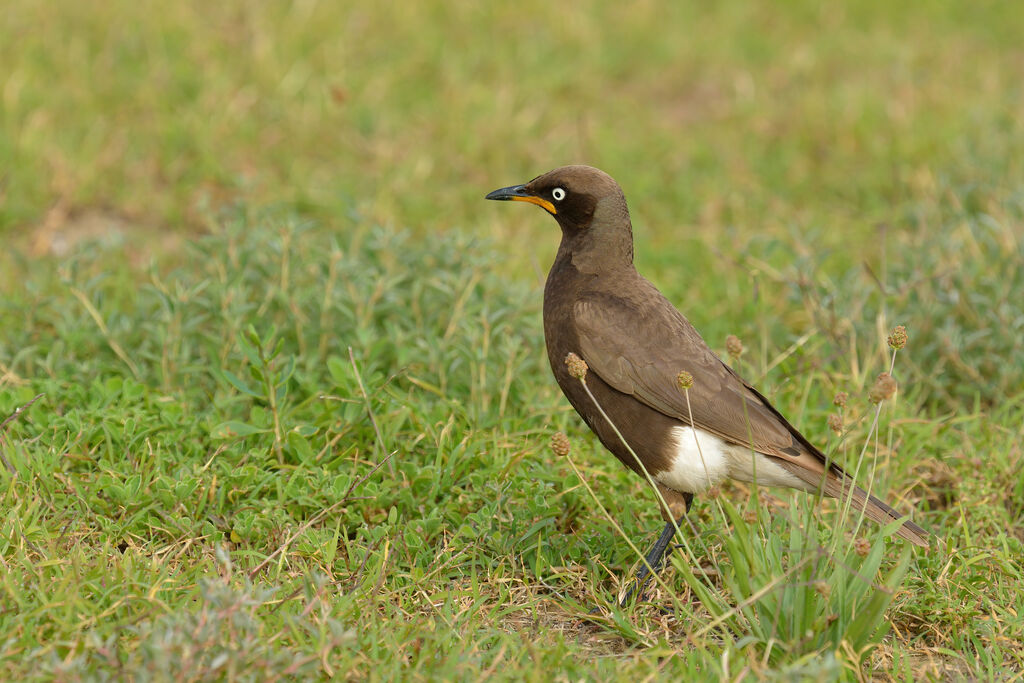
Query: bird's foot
x=652, y=562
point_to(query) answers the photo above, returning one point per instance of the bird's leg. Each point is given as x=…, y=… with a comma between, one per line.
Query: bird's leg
x=653, y=560
x=675, y=502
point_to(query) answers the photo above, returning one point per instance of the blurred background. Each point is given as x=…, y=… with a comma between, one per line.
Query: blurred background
x=736, y=115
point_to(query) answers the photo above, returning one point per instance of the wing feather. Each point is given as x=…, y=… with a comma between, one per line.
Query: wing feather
x=624, y=344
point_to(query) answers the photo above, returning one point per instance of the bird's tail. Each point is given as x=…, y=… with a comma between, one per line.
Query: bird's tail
x=840, y=485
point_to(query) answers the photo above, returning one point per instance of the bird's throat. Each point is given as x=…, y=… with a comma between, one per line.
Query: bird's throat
x=595, y=253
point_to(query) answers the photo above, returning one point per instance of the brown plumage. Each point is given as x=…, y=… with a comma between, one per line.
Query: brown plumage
x=635, y=342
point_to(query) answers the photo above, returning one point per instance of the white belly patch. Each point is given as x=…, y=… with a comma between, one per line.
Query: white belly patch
x=696, y=468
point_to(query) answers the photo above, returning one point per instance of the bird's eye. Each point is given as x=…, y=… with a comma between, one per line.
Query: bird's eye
x=558, y=194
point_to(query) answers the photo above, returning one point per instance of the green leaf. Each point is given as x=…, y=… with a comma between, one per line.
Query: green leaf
x=298, y=444
x=870, y=620
x=339, y=370
x=233, y=429
x=305, y=430
x=238, y=383
x=288, y=370
x=248, y=347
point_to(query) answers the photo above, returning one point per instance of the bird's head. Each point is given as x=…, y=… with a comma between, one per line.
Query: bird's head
x=579, y=197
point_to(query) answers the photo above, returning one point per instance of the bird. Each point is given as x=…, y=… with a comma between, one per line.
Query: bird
x=634, y=344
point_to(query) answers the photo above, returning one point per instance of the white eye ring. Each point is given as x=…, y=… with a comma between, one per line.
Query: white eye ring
x=558, y=194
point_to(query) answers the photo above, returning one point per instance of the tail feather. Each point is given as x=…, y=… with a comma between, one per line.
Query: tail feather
x=840, y=485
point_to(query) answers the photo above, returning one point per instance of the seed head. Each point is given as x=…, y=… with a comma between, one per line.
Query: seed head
x=734, y=346
x=684, y=380
x=898, y=338
x=577, y=366
x=862, y=547
x=884, y=388
x=560, y=444
x=840, y=399
x=713, y=492
x=823, y=589
x=835, y=423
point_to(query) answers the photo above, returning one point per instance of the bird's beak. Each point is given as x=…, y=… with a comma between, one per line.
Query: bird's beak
x=518, y=193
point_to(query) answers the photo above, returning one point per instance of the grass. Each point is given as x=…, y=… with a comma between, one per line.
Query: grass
x=295, y=408
x=168, y=491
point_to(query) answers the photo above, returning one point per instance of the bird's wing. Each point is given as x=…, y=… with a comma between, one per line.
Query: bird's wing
x=639, y=348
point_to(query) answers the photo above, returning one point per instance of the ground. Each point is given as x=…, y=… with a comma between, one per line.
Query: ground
x=294, y=414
